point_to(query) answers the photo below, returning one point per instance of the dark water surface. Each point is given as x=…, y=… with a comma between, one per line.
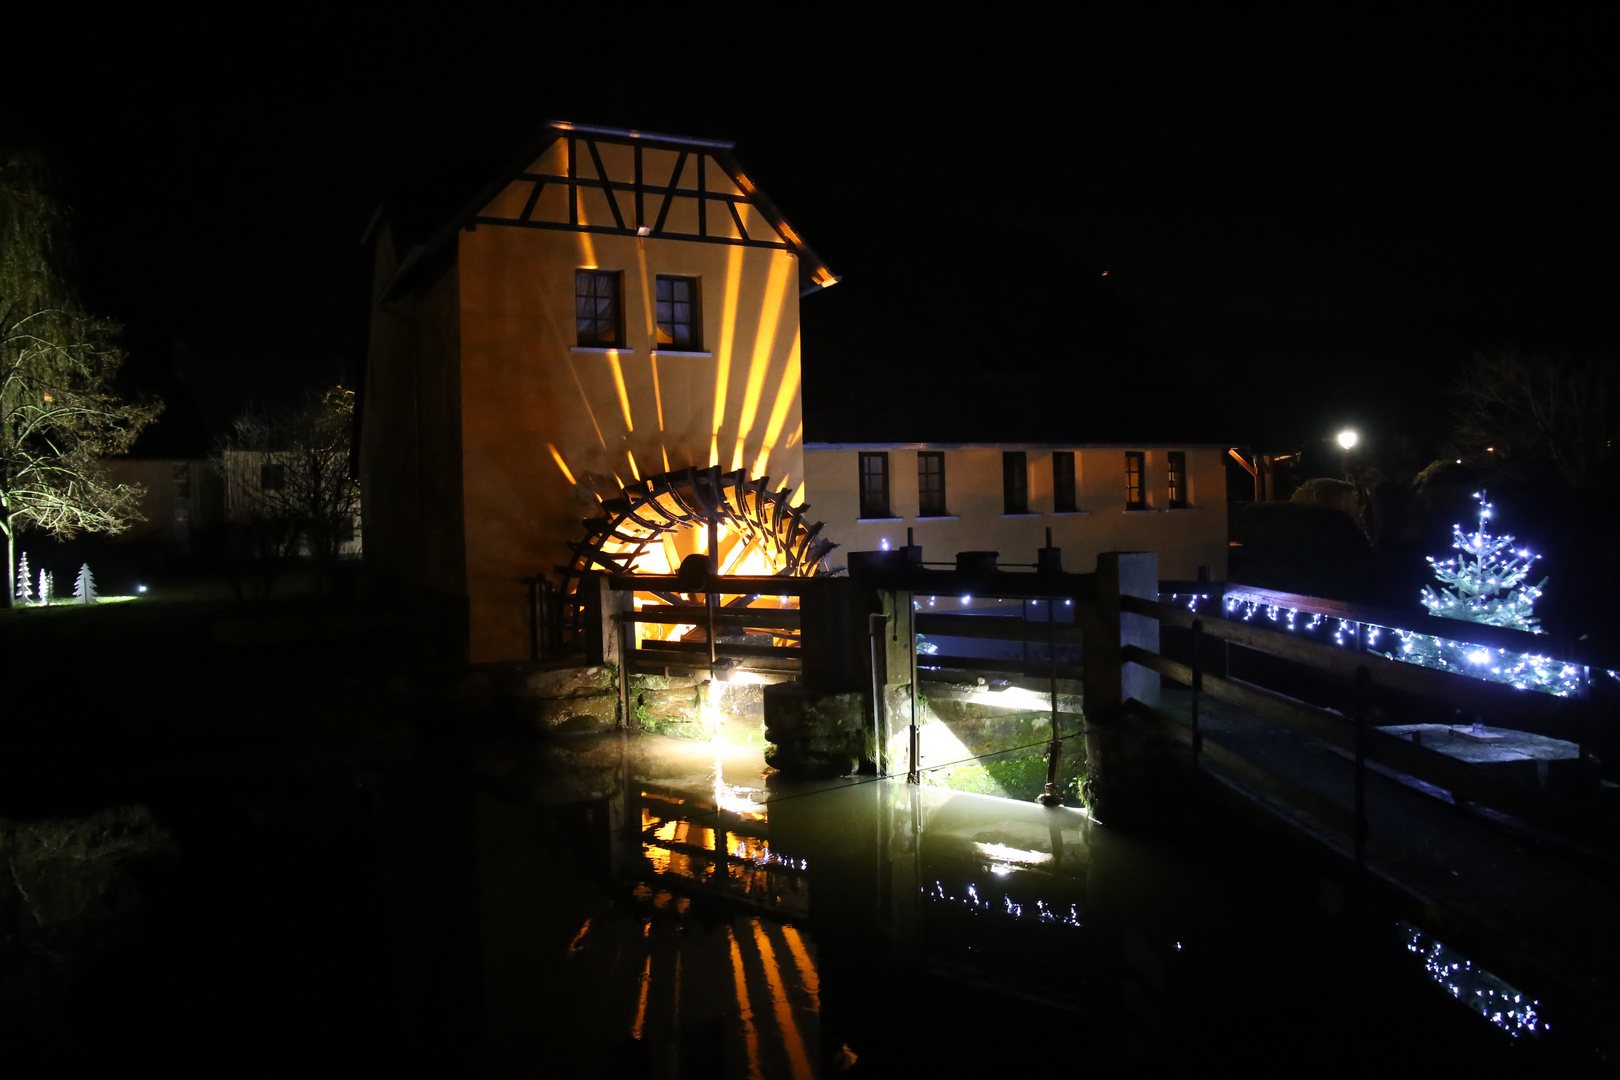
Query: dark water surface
x=654, y=907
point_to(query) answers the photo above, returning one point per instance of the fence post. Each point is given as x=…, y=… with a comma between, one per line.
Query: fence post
x=594, y=610
x=627, y=646
x=1117, y=770
x=598, y=605
x=1359, y=706
x=1197, y=688
x=534, y=617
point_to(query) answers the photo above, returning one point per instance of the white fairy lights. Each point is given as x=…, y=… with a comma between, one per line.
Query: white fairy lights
x=1493, y=999
x=1487, y=583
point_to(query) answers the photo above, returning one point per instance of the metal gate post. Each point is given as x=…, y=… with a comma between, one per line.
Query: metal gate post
x=710, y=600
x=875, y=625
x=1051, y=796
x=915, y=736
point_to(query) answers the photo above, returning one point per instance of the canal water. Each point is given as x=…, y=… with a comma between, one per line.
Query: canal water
x=645, y=906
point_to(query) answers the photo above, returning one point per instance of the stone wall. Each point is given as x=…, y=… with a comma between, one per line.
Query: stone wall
x=580, y=698
x=566, y=699
x=813, y=734
x=668, y=704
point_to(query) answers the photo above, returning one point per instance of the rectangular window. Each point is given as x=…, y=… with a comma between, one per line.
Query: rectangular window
x=930, y=483
x=597, y=309
x=1014, y=482
x=1063, y=481
x=1177, y=488
x=679, y=324
x=272, y=476
x=1134, y=496
x=182, y=480
x=874, y=485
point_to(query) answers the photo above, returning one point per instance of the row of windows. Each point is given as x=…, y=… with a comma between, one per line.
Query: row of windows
x=874, y=479
x=599, y=311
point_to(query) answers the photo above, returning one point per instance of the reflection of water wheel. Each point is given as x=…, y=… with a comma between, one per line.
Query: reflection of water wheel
x=652, y=525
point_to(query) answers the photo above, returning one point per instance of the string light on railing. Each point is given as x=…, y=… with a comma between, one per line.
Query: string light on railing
x=1487, y=584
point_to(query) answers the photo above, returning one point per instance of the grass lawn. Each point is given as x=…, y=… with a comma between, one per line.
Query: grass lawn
x=185, y=677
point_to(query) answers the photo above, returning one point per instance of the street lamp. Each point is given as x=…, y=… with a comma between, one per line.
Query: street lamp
x=1347, y=438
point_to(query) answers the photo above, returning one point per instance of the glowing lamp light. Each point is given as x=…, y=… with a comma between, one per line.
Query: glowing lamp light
x=1347, y=438
x=140, y=588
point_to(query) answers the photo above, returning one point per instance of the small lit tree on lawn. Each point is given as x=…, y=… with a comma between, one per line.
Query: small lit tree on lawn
x=25, y=585
x=61, y=412
x=1487, y=583
x=84, y=587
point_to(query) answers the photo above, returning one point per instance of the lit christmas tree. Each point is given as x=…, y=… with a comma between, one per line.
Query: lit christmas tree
x=47, y=585
x=84, y=586
x=1486, y=583
x=25, y=586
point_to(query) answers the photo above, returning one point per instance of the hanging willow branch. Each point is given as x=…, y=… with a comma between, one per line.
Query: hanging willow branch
x=60, y=414
x=59, y=418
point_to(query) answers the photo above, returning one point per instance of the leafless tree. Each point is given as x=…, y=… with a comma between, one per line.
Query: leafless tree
x=60, y=414
x=1528, y=415
x=288, y=482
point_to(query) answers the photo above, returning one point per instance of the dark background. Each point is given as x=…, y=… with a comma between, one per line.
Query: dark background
x=1304, y=223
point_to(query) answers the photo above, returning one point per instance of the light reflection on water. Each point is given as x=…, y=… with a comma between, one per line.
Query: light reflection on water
x=1483, y=992
x=771, y=927
x=731, y=932
x=1005, y=905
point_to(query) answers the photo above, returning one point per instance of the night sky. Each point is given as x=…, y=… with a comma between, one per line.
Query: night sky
x=1302, y=224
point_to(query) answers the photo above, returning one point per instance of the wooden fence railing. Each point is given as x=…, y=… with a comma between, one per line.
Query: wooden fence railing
x=726, y=612
x=998, y=628
x=1568, y=649
x=1368, y=680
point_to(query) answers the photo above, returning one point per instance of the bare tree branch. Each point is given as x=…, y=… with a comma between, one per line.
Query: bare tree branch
x=1541, y=416
x=60, y=414
x=286, y=476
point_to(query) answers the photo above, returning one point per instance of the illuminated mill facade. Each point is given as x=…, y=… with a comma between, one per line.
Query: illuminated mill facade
x=596, y=358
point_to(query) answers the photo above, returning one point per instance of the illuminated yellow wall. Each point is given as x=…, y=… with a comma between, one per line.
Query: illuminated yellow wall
x=1184, y=539
x=546, y=424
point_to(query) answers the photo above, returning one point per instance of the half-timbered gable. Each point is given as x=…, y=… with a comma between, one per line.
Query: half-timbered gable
x=614, y=183
x=616, y=309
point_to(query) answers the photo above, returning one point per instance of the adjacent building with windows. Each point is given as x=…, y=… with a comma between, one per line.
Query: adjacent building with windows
x=552, y=356
x=1004, y=497
x=269, y=485
x=181, y=496
x=612, y=308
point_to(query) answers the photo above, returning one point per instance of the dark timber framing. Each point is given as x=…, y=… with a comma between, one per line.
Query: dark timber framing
x=664, y=195
x=643, y=197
